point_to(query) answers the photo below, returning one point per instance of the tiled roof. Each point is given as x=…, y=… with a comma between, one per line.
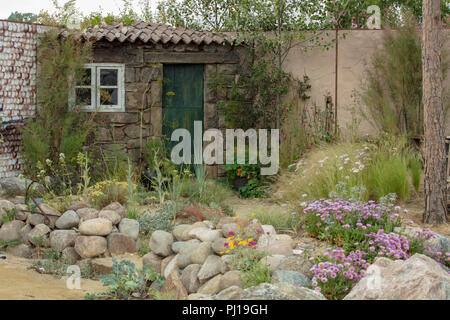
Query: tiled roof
x=151, y=32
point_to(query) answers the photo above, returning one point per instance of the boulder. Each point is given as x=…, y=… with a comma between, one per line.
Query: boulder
x=180, y=232
x=418, y=278
x=280, y=291
x=201, y=252
x=243, y=222
x=10, y=231
x=129, y=227
x=105, y=265
x=111, y=215
x=48, y=211
x=185, y=246
x=165, y=262
x=292, y=277
x=95, y=227
x=70, y=255
x=269, y=229
x=279, y=247
x=117, y=207
x=183, y=260
x=119, y=243
x=212, y=286
x=212, y=266
x=17, y=186
x=219, y=245
x=253, y=230
x=231, y=278
x=68, y=220
x=74, y=206
x=87, y=213
x=273, y=261
x=5, y=205
x=39, y=233
x=90, y=246
x=21, y=212
x=35, y=218
x=172, y=265
x=61, y=239
x=297, y=263
x=161, y=243
x=153, y=260
x=24, y=233
x=230, y=293
x=204, y=234
x=189, y=278
x=21, y=250
x=174, y=285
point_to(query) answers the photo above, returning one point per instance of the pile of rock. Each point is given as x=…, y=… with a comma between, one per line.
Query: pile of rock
x=194, y=261
x=81, y=232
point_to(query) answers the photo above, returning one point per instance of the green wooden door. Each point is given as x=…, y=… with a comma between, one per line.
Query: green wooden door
x=182, y=98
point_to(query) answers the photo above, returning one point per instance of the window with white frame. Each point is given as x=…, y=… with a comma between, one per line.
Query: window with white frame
x=102, y=88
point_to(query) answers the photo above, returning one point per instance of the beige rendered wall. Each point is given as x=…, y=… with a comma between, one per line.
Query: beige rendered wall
x=353, y=56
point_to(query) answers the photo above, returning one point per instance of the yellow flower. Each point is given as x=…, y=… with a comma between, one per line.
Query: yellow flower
x=253, y=214
x=227, y=251
x=235, y=217
x=221, y=252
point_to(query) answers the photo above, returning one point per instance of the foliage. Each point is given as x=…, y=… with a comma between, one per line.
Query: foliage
x=160, y=220
x=392, y=90
x=7, y=243
x=8, y=215
x=127, y=281
x=58, y=130
x=255, y=184
x=346, y=223
x=23, y=17
x=248, y=261
x=386, y=165
x=105, y=192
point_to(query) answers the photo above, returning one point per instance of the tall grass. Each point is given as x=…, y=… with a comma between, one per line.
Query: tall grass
x=387, y=165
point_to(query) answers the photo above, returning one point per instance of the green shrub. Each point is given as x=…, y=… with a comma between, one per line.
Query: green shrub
x=248, y=261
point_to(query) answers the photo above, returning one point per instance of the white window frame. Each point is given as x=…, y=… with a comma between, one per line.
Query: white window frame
x=95, y=88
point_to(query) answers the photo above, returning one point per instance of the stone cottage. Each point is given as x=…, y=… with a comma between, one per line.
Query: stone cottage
x=145, y=80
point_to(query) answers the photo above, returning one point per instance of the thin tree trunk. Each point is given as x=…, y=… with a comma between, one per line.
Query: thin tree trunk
x=435, y=168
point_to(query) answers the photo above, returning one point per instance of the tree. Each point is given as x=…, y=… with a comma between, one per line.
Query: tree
x=23, y=17
x=435, y=168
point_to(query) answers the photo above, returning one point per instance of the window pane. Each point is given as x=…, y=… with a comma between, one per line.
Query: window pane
x=83, y=96
x=108, y=97
x=108, y=77
x=86, y=78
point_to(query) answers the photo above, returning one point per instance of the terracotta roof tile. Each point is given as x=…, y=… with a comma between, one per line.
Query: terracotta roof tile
x=150, y=32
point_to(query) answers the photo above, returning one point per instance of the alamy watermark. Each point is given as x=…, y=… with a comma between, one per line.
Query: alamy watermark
x=213, y=153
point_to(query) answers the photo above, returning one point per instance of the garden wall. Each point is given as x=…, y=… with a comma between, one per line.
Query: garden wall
x=18, y=43
x=352, y=56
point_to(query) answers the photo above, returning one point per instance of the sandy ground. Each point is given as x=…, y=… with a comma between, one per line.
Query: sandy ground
x=19, y=283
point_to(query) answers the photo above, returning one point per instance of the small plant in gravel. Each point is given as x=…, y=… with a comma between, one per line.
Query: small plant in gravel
x=160, y=220
x=126, y=281
x=9, y=215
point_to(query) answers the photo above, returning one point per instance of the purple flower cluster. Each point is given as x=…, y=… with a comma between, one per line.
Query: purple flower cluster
x=438, y=255
x=390, y=245
x=349, y=268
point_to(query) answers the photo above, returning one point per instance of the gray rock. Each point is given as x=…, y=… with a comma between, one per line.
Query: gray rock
x=212, y=286
x=183, y=260
x=24, y=233
x=35, y=218
x=129, y=227
x=204, y=234
x=297, y=263
x=61, y=239
x=111, y=215
x=213, y=265
x=179, y=232
x=418, y=278
x=161, y=243
x=15, y=186
x=173, y=284
x=227, y=262
x=202, y=252
x=95, y=227
x=90, y=246
x=39, y=232
x=172, y=265
x=21, y=250
x=78, y=205
x=190, y=279
x=120, y=243
x=280, y=291
x=268, y=229
x=292, y=277
x=185, y=246
x=199, y=296
x=49, y=211
x=5, y=205
x=231, y=278
x=10, y=231
x=21, y=213
x=68, y=220
x=117, y=207
x=273, y=261
x=153, y=260
x=70, y=255
x=230, y=293
x=87, y=213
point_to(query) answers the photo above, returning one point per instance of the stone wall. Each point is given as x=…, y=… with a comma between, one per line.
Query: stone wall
x=18, y=48
x=143, y=89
